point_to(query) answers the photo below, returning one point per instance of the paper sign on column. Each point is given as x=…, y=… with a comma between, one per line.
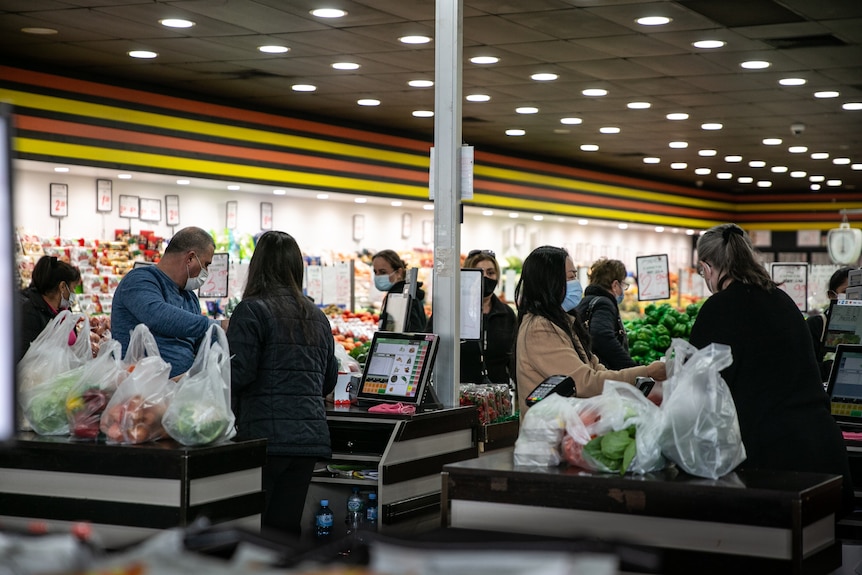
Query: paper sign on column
x=653, y=277
x=314, y=283
x=792, y=278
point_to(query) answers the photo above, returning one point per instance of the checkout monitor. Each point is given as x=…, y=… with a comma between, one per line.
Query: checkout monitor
x=844, y=324
x=398, y=368
x=845, y=385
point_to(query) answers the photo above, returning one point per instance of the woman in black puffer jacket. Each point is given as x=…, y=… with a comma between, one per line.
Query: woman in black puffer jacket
x=283, y=365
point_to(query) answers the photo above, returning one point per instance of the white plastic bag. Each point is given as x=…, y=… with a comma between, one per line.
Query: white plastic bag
x=700, y=425
x=541, y=430
x=200, y=411
x=142, y=343
x=87, y=399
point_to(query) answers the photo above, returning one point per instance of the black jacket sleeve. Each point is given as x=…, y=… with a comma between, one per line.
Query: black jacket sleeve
x=604, y=328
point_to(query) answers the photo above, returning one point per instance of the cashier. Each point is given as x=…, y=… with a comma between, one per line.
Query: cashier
x=552, y=342
x=163, y=298
x=52, y=289
x=817, y=323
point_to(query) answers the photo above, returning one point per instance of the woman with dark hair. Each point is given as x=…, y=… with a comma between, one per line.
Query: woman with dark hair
x=784, y=413
x=552, y=342
x=51, y=290
x=282, y=366
x=390, y=273
x=817, y=323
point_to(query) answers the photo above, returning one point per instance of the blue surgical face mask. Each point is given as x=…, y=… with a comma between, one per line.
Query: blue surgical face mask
x=619, y=299
x=382, y=282
x=574, y=293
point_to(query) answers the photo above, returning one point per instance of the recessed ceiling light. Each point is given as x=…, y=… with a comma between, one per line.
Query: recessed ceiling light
x=484, y=59
x=745, y=179
x=142, y=54
x=527, y=110
x=60, y=169
x=815, y=187
x=183, y=182
x=39, y=31
x=856, y=167
x=538, y=218
x=233, y=187
x=772, y=141
x=423, y=114
x=544, y=77
x=487, y=212
x=733, y=159
x=638, y=105
x=677, y=116
x=678, y=166
x=428, y=207
x=833, y=183
x=273, y=49
x=594, y=92
x=652, y=160
x=852, y=106
x=322, y=196
x=571, y=121
x=816, y=178
x=414, y=39
x=702, y=171
x=755, y=64
x=583, y=222
x=360, y=200
x=328, y=13
x=176, y=23
x=798, y=174
x=396, y=204
x=707, y=153
x=609, y=130
x=659, y=229
x=826, y=94
x=819, y=156
x=478, y=98
x=841, y=161
x=756, y=164
x=303, y=87
x=797, y=149
x=124, y=176
x=708, y=44
x=711, y=126
x=779, y=169
x=653, y=20
x=345, y=65
x=279, y=192
x=724, y=175
x=764, y=184
x=623, y=226
x=678, y=145
x=513, y=215
x=515, y=132
x=420, y=83
x=368, y=102
x=792, y=81
x=589, y=148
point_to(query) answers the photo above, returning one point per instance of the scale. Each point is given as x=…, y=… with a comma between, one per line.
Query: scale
x=845, y=243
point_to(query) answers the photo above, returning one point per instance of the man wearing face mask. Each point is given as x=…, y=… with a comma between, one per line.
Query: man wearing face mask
x=600, y=312
x=163, y=298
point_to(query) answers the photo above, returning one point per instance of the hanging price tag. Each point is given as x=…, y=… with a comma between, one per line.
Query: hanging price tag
x=653, y=277
x=104, y=195
x=59, y=198
x=792, y=278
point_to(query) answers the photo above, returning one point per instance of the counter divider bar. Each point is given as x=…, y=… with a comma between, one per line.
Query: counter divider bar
x=414, y=468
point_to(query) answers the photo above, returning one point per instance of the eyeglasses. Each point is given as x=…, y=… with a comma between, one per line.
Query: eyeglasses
x=623, y=284
x=473, y=253
x=700, y=268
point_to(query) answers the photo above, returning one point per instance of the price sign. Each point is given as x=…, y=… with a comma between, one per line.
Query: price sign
x=653, y=277
x=59, y=200
x=265, y=216
x=314, y=283
x=151, y=210
x=792, y=278
x=172, y=210
x=217, y=278
x=129, y=207
x=230, y=215
x=104, y=195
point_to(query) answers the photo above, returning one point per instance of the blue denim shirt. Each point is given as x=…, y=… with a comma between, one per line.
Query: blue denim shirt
x=147, y=295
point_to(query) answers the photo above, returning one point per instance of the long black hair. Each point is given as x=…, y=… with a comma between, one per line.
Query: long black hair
x=49, y=273
x=541, y=291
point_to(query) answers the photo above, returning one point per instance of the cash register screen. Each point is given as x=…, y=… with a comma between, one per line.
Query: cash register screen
x=844, y=324
x=845, y=384
x=398, y=368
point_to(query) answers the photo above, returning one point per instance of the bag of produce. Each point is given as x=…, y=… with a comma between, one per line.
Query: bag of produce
x=615, y=432
x=700, y=427
x=142, y=343
x=200, y=411
x=88, y=398
x=134, y=413
x=541, y=431
x=44, y=372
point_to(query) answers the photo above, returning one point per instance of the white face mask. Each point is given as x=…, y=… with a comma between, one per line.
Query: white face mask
x=194, y=283
x=66, y=302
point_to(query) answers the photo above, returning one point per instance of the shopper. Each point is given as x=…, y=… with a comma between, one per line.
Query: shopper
x=390, y=273
x=52, y=288
x=552, y=342
x=283, y=364
x=600, y=312
x=492, y=358
x=784, y=414
x=817, y=323
x=163, y=298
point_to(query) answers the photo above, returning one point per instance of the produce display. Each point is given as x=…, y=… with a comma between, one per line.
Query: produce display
x=650, y=336
x=351, y=330
x=493, y=401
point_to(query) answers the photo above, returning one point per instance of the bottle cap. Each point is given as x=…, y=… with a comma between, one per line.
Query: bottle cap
x=324, y=502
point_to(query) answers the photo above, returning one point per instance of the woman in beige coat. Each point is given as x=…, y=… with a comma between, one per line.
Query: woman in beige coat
x=550, y=341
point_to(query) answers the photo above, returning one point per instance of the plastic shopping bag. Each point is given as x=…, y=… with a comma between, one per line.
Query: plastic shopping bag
x=88, y=398
x=615, y=432
x=541, y=431
x=142, y=343
x=200, y=411
x=700, y=425
x=48, y=371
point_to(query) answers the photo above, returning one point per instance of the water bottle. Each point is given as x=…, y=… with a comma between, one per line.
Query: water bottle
x=323, y=520
x=371, y=512
x=355, y=510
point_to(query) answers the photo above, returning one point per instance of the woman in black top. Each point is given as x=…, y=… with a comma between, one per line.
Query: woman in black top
x=51, y=287
x=390, y=273
x=817, y=323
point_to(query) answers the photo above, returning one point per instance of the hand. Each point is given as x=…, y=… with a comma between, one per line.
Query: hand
x=224, y=323
x=657, y=370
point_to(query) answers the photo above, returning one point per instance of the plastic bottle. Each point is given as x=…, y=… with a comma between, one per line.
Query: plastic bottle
x=355, y=510
x=323, y=520
x=371, y=512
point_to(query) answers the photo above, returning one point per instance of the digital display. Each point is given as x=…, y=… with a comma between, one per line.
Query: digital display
x=844, y=325
x=399, y=366
x=845, y=383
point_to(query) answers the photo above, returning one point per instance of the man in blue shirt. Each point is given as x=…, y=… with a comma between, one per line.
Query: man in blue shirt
x=163, y=298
